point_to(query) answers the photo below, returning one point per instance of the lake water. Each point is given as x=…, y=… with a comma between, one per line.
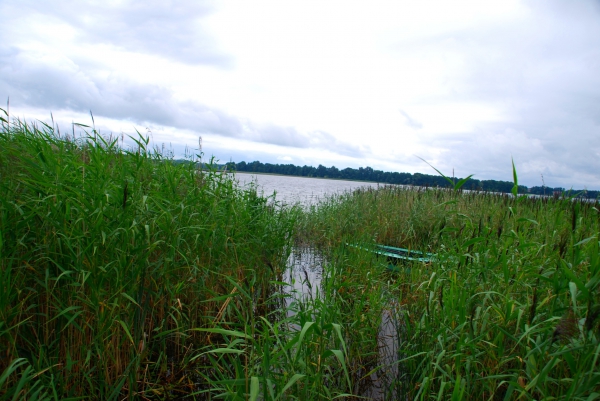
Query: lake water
x=304, y=277
x=304, y=190
x=306, y=264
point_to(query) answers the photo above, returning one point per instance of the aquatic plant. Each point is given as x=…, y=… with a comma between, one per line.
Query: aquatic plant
x=125, y=274
x=509, y=307
x=113, y=261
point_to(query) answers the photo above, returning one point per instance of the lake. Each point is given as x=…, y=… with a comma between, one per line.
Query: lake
x=304, y=190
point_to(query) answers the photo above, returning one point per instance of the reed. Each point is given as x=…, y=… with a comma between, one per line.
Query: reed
x=125, y=274
x=114, y=260
x=509, y=307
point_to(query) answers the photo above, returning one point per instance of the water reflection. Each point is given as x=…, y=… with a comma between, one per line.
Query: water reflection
x=305, y=275
x=385, y=379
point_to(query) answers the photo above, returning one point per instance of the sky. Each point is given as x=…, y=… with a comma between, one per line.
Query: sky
x=467, y=86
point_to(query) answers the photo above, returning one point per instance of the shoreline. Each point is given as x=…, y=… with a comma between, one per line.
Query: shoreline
x=315, y=178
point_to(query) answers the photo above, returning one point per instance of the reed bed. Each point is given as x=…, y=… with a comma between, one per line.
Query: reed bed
x=116, y=264
x=508, y=309
x=127, y=275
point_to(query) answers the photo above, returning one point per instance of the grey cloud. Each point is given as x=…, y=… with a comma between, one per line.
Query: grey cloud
x=289, y=136
x=557, y=153
x=544, y=79
x=61, y=84
x=166, y=28
x=557, y=136
x=320, y=139
x=284, y=136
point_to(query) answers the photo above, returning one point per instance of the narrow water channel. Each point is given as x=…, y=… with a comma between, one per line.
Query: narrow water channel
x=304, y=275
x=305, y=271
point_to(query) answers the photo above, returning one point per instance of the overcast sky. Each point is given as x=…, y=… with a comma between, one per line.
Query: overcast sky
x=466, y=85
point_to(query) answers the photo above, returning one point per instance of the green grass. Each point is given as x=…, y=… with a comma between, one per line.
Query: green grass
x=126, y=275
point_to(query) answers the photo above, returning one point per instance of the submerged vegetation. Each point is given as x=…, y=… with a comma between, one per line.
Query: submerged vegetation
x=127, y=275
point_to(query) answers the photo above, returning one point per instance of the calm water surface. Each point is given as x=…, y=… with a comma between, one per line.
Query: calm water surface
x=304, y=276
x=306, y=265
x=307, y=191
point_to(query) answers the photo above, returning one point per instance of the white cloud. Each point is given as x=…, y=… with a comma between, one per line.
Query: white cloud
x=464, y=84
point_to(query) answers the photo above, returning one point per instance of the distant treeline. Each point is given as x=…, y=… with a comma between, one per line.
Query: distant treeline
x=388, y=177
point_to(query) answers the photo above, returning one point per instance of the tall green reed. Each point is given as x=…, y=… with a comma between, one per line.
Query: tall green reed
x=125, y=274
x=111, y=258
x=507, y=309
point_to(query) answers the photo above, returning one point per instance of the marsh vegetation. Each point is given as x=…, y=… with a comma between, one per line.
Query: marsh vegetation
x=125, y=275
x=508, y=309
